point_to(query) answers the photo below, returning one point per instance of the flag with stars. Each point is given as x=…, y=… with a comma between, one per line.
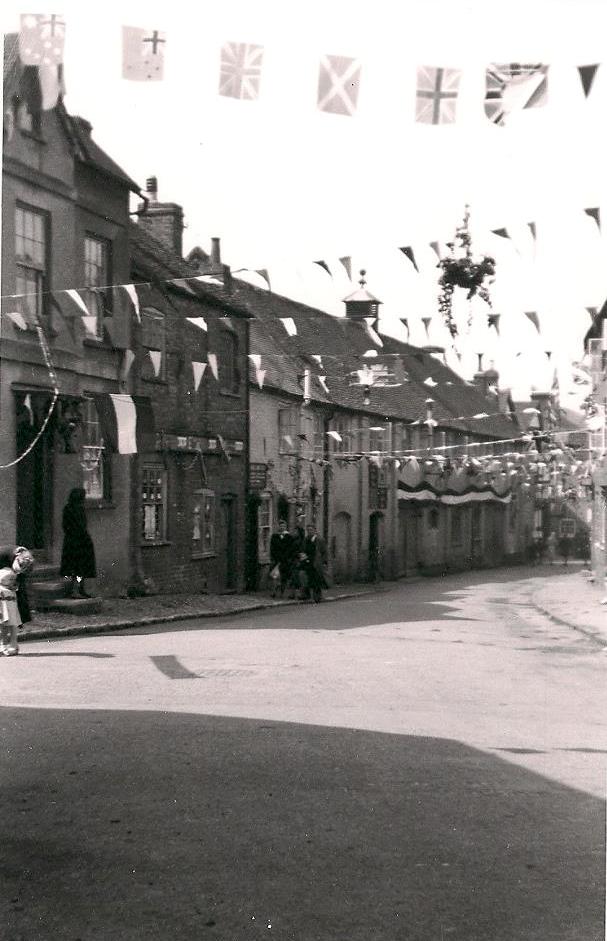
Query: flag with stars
x=514, y=87
x=240, y=71
x=143, y=54
x=41, y=39
x=338, y=82
x=437, y=91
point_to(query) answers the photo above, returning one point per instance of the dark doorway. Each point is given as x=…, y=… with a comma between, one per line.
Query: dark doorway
x=34, y=474
x=252, y=539
x=375, y=545
x=231, y=550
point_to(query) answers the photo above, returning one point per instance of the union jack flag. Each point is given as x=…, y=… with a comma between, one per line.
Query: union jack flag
x=240, y=70
x=513, y=87
x=338, y=81
x=437, y=91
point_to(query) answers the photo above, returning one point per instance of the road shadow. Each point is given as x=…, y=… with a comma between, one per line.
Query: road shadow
x=63, y=653
x=156, y=825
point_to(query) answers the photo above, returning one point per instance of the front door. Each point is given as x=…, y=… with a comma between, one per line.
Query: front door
x=229, y=527
x=34, y=474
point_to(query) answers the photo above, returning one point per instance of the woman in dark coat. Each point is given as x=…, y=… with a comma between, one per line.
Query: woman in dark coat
x=78, y=555
x=7, y=557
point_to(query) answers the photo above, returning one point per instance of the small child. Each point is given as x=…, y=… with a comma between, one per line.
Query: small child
x=10, y=620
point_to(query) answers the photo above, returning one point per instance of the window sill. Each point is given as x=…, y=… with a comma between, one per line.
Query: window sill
x=100, y=505
x=203, y=555
x=229, y=393
x=154, y=380
x=156, y=544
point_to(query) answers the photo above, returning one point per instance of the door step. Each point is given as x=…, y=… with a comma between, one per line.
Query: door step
x=72, y=605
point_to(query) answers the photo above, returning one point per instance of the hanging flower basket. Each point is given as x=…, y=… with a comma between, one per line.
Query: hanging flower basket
x=465, y=272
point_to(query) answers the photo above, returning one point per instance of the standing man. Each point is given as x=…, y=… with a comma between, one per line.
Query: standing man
x=316, y=561
x=281, y=555
x=297, y=570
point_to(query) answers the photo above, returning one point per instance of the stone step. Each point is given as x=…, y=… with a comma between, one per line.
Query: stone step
x=71, y=605
x=44, y=572
x=47, y=589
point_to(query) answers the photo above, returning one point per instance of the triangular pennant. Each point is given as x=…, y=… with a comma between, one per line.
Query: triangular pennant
x=323, y=383
x=335, y=435
x=435, y=246
x=198, y=371
x=78, y=300
x=90, y=325
x=260, y=375
x=493, y=320
x=199, y=322
x=184, y=285
x=369, y=321
x=18, y=319
x=426, y=322
x=212, y=360
x=596, y=215
x=430, y=382
x=263, y=273
x=324, y=266
x=127, y=361
x=408, y=251
x=405, y=323
x=502, y=233
x=289, y=325
x=587, y=75
x=593, y=311
x=533, y=317
x=346, y=261
x=255, y=359
x=156, y=357
x=532, y=229
x=27, y=405
x=132, y=293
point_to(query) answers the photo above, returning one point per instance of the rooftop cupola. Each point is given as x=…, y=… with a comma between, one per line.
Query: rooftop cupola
x=362, y=305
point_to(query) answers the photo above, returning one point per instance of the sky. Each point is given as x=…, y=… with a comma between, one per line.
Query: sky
x=284, y=184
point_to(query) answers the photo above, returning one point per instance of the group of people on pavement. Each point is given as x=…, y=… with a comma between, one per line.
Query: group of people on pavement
x=77, y=563
x=298, y=560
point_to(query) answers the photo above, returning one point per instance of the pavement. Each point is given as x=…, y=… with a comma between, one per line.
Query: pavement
x=565, y=594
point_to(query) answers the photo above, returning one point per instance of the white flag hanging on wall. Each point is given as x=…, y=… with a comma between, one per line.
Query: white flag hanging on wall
x=132, y=293
x=156, y=357
x=78, y=300
x=212, y=358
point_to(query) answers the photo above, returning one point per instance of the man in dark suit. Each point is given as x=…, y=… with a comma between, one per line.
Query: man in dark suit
x=282, y=555
x=316, y=561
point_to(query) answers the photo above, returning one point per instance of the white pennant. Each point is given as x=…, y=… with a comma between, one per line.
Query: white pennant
x=212, y=359
x=335, y=435
x=132, y=293
x=255, y=359
x=198, y=370
x=156, y=357
x=261, y=375
x=369, y=321
x=18, y=319
x=199, y=322
x=90, y=325
x=323, y=382
x=78, y=300
x=289, y=325
x=127, y=362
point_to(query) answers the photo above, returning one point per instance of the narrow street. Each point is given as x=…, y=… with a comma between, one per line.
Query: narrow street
x=424, y=763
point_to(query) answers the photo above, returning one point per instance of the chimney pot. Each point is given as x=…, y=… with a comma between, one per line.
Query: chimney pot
x=216, y=253
x=151, y=186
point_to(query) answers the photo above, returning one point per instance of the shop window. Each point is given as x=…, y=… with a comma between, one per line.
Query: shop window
x=203, y=528
x=96, y=459
x=31, y=256
x=154, y=503
x=264, y=527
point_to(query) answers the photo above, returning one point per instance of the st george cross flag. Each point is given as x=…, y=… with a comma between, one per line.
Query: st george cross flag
x=240, y=70
x=437, y=91
x=41, y=39
x=338, y=81
x=142, y=54
x=513, y=87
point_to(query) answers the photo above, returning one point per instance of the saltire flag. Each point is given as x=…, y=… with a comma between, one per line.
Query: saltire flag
x=240, y=70
x=535, y=320
x=408, y=251
x=142, y=54
x=514, y=87
x=346, y=261
x=587, y=76
x=596, y=215
x=338, y=81
x=41, y=39
x=324, y=266
x=437, y=91
x=127, y=421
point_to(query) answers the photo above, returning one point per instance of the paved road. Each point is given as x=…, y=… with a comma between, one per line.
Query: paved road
x=428, y=763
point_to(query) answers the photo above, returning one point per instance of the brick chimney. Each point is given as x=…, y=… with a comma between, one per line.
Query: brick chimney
x=164, y=221
x=485, y=380
x=542, y=402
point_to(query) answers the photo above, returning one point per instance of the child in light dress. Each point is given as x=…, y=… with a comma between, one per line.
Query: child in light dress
x=10, y=620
